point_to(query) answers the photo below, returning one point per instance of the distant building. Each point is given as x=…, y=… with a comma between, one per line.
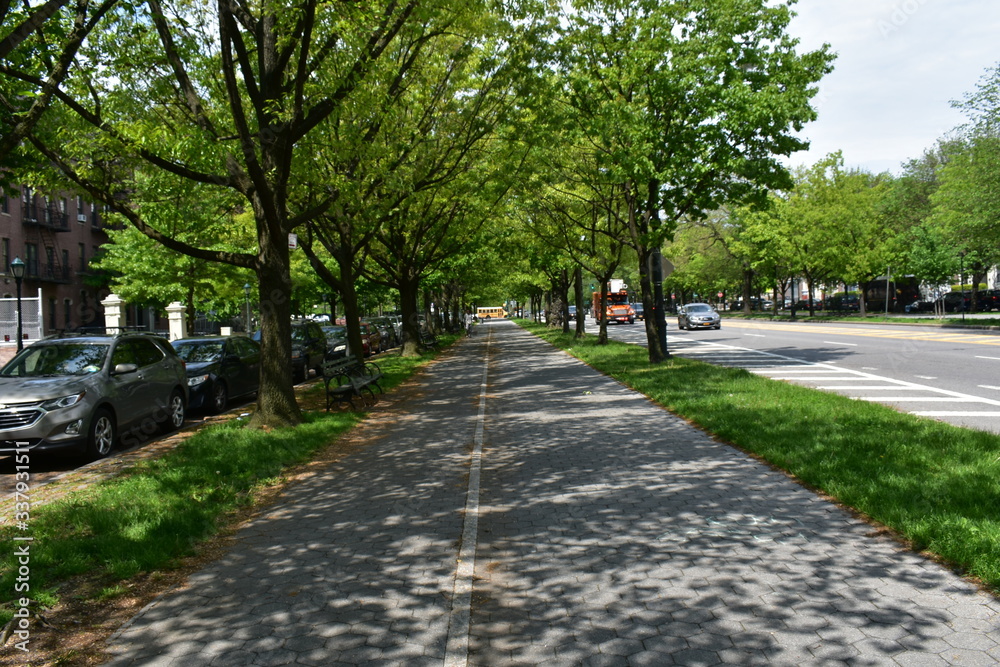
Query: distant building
x=56, y=237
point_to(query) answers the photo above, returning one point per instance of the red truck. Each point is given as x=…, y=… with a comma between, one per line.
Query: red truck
x=619, y=309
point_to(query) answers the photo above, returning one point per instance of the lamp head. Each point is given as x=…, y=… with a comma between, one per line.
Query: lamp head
x=17, y=268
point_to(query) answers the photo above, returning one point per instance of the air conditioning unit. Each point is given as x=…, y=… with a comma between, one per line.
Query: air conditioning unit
x=81, y=217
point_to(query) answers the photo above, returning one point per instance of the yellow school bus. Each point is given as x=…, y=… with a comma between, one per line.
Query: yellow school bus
x=490, y=312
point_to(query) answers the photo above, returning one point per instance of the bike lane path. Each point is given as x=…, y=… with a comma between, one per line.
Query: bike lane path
x=605, y=531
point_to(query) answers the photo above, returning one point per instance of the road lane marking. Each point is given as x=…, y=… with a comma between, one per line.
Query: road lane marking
x=460, y=621
x=837, y=342
x=935, y=413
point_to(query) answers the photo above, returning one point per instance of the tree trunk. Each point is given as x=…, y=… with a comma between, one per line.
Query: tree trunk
x=408, y=304
x=276, y=404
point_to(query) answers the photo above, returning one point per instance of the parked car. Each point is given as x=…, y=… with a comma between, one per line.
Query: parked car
x=371, y=339
x=845, y=302
x=336, y=341
x=308, y=349
x=86, y=392
x=219, y=368
x=698, y=316
x=919, y=307
x=957, y=302
x=640, y=313
x=388, y=332
x=755, y=304
x=990, y=300
x=397, y=326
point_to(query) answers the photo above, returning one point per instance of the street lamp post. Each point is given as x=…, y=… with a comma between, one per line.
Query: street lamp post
x=17, y=268
x=246, y=291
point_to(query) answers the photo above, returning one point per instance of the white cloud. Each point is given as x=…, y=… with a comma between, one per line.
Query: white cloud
x=900, y=65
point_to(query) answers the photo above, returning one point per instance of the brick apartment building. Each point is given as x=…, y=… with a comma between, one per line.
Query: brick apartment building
x=56, y=237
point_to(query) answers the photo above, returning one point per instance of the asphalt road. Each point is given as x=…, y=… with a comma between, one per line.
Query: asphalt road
x=948, y=374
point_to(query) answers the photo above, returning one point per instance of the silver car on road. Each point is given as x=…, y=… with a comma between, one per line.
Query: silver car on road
x=698, y=316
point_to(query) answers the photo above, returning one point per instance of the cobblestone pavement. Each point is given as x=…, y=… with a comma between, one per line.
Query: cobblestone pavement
x=552, y=516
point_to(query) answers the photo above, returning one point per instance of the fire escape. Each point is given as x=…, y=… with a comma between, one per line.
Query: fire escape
x=43, y=224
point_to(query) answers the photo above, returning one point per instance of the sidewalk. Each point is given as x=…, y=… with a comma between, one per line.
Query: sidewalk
x=599, y=529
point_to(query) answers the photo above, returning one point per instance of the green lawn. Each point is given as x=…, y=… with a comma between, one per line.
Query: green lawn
x=936, y=485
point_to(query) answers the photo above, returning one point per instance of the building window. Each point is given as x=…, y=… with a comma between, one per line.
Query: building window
x=4, y=203
x=65, y=264
x=5, y=255
x=52, y=314
x=83, y=257
x=95, y=215
x=28, y=210
x=67, y=313
x=50, y=262
x=31, y=259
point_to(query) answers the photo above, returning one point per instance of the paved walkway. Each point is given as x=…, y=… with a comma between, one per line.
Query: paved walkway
x=524, y=509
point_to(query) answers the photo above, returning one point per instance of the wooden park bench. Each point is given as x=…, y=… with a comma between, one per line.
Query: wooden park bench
x=350, y=378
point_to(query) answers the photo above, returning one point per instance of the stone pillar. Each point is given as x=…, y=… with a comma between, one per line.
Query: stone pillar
x=178, y=323
x=114, y=314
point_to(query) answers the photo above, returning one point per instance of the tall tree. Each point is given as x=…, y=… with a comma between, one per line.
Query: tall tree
x=223, y=97
x=37, y=48
x=688, y=104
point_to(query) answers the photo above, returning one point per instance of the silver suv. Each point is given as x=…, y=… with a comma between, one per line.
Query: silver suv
x=87, y=391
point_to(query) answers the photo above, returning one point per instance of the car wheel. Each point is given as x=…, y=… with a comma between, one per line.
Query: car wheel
x=220, y=397
x=718, y=326
x=175, y=413
x=102, y=435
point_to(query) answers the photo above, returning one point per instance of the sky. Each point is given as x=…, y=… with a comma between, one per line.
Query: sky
x=900, y=65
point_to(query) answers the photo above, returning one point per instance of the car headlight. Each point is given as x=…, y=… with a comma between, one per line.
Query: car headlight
x=62, y=402
x=338, y=348
x=196, y=380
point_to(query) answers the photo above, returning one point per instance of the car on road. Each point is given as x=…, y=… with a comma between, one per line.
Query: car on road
x=219, y=368
x=698, y=316
x=90, y=392
x=640, y=313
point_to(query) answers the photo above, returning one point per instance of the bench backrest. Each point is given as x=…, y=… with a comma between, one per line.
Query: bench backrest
x=339, y=366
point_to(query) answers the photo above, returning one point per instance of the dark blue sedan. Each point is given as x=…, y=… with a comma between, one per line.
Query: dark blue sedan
x=219, y=368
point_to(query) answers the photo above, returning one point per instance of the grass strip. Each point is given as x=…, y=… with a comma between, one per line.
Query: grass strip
x=156, y=513
x=935, y=485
